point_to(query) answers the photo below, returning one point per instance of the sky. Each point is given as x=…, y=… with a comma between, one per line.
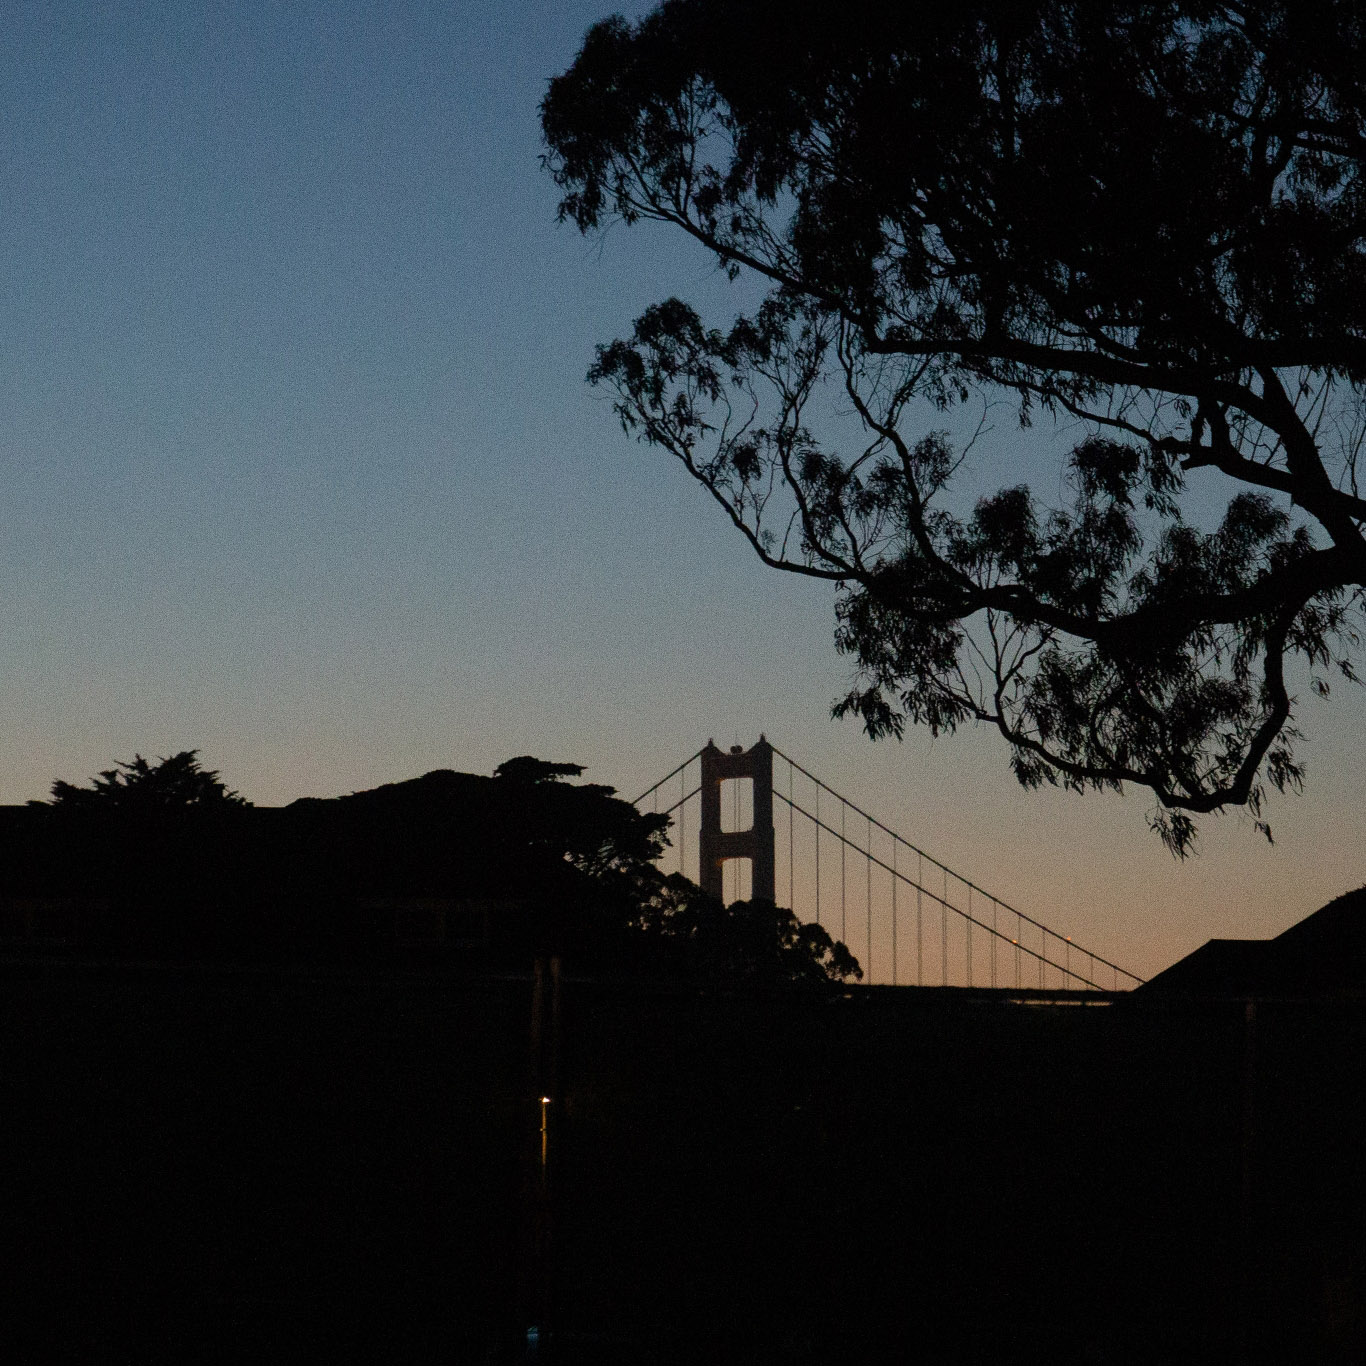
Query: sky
x=301, y=470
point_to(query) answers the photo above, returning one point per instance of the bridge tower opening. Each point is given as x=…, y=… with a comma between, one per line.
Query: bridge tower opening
x=715, y=845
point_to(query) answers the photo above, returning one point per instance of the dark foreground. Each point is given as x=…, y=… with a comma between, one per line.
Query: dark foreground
x=237, y=1165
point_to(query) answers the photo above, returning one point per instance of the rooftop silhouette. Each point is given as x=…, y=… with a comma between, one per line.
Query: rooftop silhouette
x=1322, y=955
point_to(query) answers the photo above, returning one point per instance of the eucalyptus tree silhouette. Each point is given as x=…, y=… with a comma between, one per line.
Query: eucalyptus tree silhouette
x=1147, y=221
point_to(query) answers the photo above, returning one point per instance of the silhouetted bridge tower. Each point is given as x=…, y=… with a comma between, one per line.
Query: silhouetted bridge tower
x=920, y=922
x=715, y=845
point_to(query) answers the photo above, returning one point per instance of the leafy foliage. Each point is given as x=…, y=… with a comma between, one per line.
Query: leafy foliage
x=665, y=920
x=1146, y=220
x=176, y=782
x=601, y=835
x=532, y=771
x=747, y=941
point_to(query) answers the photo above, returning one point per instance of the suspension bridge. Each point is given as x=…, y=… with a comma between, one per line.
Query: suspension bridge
x=910, y=919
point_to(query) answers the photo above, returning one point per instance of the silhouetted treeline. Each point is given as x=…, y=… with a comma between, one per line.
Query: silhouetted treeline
x=486, y=871
x=446, y=859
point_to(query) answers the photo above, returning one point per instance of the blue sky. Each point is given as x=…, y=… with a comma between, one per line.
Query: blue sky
x=300, y=467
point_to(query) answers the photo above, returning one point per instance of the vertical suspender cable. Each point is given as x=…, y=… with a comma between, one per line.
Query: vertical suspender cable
x=735, y=882
x=844, y=926
x=869, y=862
x=818, y=853
x=919, y=919
x=967, y=927
x=791, y=818
x=944, y=932
x=894, y=910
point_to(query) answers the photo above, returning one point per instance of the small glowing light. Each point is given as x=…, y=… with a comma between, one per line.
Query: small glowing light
x=545, y=1100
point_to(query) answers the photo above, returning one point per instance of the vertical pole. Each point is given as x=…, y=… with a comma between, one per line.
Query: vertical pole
x=538, y=1265
x=1245, y=1183
x=553, y=1088
x=537, y=1010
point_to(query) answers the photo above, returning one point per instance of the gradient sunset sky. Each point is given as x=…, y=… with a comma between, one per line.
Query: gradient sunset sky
x=301, y=468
